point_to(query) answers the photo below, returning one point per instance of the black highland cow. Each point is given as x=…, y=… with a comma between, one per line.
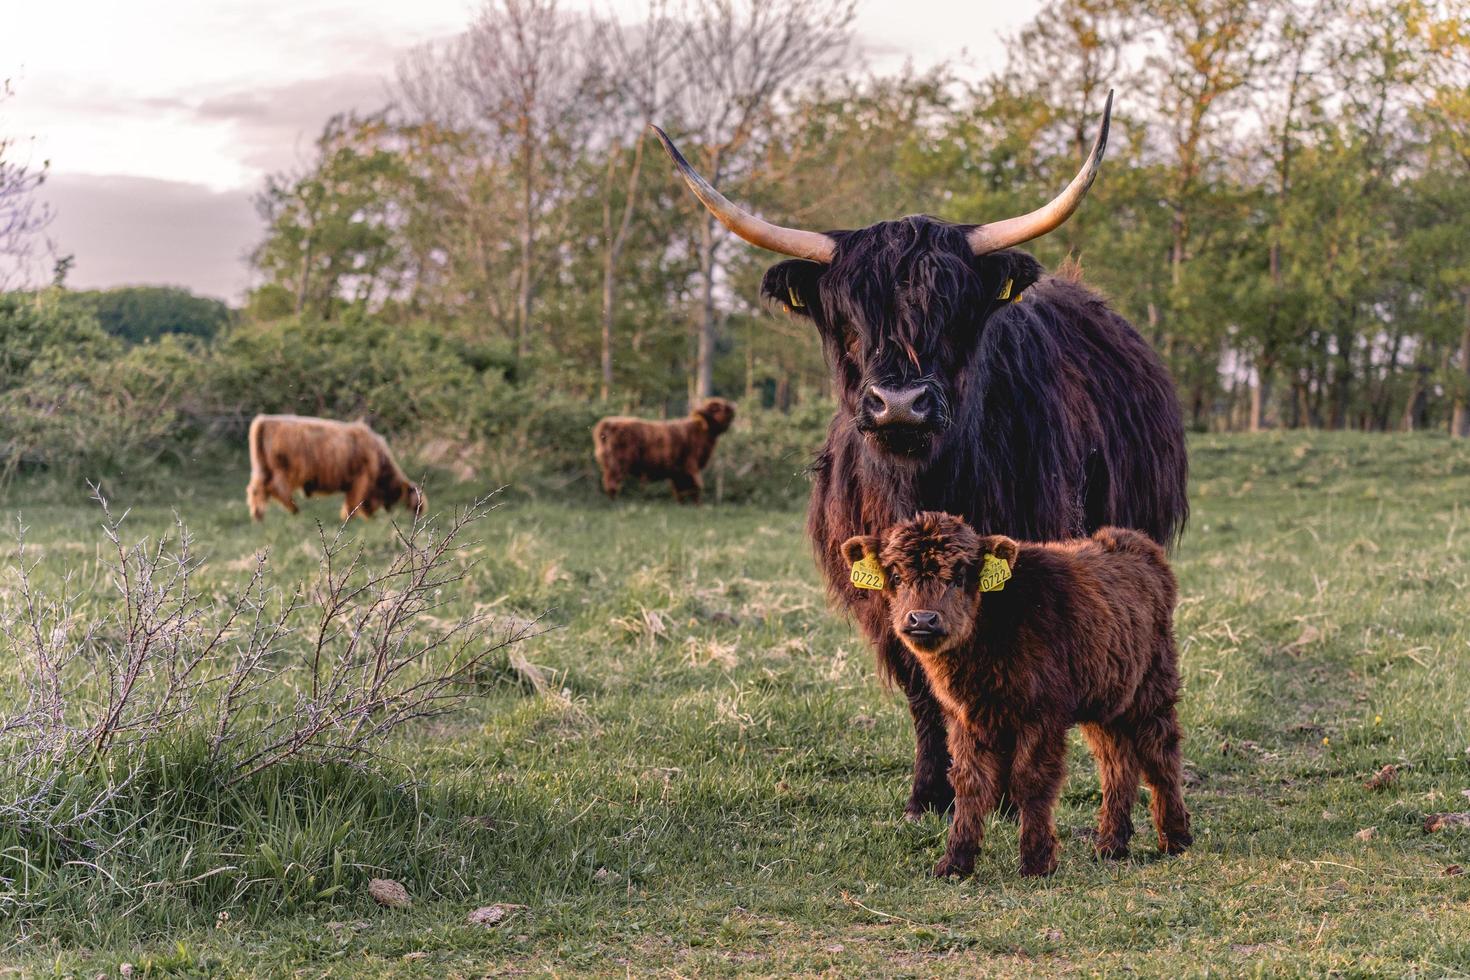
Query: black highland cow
x=968, y=382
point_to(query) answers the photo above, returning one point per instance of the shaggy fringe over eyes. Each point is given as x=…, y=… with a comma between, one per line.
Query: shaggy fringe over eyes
x=931, y=546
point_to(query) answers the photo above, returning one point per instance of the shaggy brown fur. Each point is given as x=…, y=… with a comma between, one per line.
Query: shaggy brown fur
x=293, y=452
x=1082, y=633
x=674, y=451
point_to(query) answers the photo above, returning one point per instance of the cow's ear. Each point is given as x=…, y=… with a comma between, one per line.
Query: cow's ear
x=860, y=546
x=792, y=286
x=1007, y=274
x=1001, y=547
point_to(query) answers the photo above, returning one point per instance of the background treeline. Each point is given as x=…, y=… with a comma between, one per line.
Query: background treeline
x=1285, y=210
x=502, y=254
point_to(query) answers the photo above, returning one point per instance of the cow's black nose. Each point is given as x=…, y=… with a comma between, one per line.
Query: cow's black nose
x=898, y=406
x=922, y=621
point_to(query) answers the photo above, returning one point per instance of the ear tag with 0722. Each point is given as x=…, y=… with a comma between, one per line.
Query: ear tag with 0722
x=994, y=573
x=868, y=574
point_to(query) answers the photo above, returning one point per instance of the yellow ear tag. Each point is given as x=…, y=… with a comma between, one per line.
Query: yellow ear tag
x=796, y=302
x=868, y=574
x=993, y=574
x=1005, y=291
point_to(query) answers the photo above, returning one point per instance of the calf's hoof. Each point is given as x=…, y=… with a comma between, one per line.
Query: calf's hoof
x=1111, y=851
x=949, y=867
x=1176, y=842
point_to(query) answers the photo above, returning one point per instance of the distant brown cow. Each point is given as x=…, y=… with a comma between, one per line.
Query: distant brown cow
x=1019, y=643
x=321, y=456
x=675, y=451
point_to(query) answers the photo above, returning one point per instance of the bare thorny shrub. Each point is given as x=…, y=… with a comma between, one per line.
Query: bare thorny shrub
x=263, y=676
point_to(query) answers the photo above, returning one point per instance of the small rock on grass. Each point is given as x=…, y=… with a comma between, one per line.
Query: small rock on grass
x=1436, y=822
x=1452, y=871
x=1367, y=833
x=1383, y=778
x=492, y=915
x=386, y=891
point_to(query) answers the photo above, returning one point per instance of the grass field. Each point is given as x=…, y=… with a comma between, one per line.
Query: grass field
x=713, y=783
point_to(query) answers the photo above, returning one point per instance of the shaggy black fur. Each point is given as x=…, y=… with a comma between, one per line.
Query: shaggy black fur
x=1052, y=416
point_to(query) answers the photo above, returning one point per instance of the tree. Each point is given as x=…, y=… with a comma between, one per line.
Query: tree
x=737, y=60
x=638, y=59
x=22, y=214
x=330, y=235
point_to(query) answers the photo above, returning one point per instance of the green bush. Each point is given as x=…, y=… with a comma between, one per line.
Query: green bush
x=400, y=378
x=138, y=314
x=78, y=401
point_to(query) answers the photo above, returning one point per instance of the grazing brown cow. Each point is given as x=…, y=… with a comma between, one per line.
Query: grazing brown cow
x=293, y=452
x=675, y=451
x=1081, y=632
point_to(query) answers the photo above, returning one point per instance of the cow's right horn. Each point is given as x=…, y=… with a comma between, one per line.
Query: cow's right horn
x=788, y=241
x=997, y=235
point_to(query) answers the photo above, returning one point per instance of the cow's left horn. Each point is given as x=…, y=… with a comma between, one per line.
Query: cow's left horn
x=788, y=241
x=1013, y=231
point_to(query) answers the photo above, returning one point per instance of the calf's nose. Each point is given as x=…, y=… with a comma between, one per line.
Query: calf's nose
x=898, y=406
x=923, y=619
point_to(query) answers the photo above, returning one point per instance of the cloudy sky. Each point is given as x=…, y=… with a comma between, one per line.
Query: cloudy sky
x=161, y=117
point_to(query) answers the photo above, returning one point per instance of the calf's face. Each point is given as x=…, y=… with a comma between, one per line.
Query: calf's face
x=717, y=414
x=931, y=568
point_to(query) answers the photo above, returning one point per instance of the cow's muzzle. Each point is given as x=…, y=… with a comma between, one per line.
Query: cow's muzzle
x=910, y=408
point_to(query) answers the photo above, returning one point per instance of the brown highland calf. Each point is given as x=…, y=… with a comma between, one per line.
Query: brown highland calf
x=320, y=456
x=1081, y=633
x=675, y=451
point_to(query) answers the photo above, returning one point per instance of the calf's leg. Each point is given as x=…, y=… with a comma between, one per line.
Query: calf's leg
x=975, y=775
x=1157, y=744
x=1117, y=768
x=1036, y=779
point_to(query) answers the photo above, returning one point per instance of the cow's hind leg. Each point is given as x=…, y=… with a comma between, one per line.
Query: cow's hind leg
x=931, y=788
x=1117, y=768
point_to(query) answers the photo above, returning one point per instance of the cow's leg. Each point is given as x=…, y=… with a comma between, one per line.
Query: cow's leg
x=256, y=496
x=612, y=482
x=281, y=490
x=355, y=501
x=686, y=488
x=931, y=789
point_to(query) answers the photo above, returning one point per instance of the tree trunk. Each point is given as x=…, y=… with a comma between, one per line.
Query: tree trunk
x=1261, y=393
x=1460, y=419
x=527, y=243
x=615, y=240
x=304, y=284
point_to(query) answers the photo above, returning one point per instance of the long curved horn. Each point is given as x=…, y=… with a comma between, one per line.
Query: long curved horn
x=1013, y=231
x=788, y=241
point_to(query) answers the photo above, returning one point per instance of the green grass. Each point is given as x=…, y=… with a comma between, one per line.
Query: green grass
x=722, y=794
